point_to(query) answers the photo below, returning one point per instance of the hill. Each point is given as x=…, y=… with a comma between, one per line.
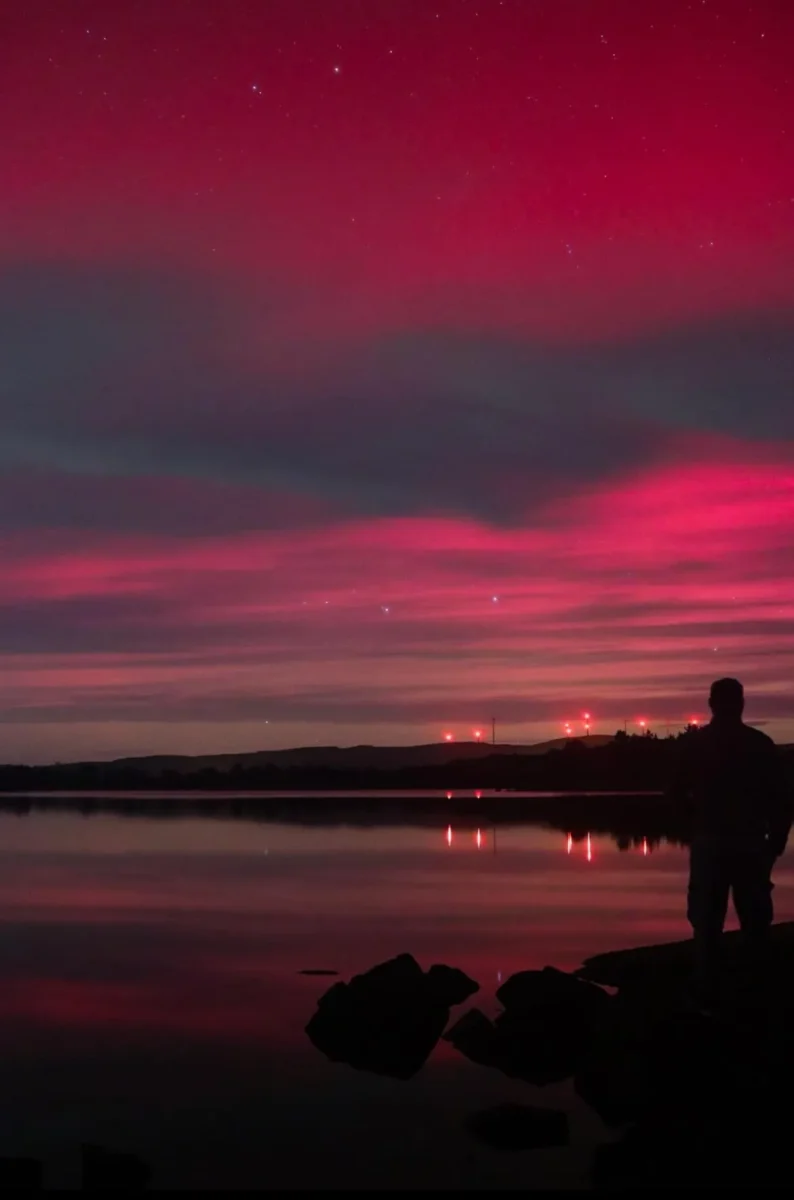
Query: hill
x=356, y=758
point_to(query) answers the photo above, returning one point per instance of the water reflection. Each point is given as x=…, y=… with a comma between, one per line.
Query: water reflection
x=623, y=842
x=149, y=981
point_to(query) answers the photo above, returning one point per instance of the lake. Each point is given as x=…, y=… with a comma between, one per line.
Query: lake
x=150, y=998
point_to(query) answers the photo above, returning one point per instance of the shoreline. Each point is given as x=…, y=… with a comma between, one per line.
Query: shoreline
x=633, y=815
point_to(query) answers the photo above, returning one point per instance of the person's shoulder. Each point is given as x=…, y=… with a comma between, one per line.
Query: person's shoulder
x=761, y=740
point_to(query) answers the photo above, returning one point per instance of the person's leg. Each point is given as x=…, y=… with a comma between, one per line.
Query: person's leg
x=752, y=899
x=707, y=905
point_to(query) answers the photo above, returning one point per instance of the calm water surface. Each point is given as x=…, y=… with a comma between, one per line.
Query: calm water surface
x=151, y=999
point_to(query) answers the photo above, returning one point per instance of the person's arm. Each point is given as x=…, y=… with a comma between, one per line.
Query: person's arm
x=780, y=804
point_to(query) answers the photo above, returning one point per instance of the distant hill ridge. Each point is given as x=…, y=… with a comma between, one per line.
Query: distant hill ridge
x=383, y=758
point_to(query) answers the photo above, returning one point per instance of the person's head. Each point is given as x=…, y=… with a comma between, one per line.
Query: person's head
x=726, y=698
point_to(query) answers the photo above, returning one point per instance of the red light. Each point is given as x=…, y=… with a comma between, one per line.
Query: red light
x=478, y=795
x=586, y=716
x=449, y=737
x=477, y=734
x=589, y=849
x=570, y=843
x=449, y=835
x=694, y=721
x=645, y=847
x=642, y=724
x=449, y=795
x=478, y=838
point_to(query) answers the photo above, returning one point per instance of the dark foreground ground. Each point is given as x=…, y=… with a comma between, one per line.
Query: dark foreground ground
x=694, y=1099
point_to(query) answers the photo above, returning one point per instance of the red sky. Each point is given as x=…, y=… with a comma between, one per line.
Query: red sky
x=372, y=369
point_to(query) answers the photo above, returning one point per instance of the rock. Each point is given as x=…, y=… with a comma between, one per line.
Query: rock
x=670, y=960
x=474, y=1036
x=400, y=974
x=473, y=1030
x=520, y=1047
x=20, y=1174
x=545, y=1031
x=643, y=1063
x=389, y=1019
x=450, y=986
x=396, y=1042
x=747, y=1147
x=334, y=995
x=612, y=1078
x=539, y=1049
x=532, y=993
x=105, y=1170
x=519, y=1127
x=705, y=1091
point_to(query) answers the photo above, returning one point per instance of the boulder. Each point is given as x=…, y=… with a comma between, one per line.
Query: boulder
x=642, y=1065
x=400, y=974
x=673, y=960
x=521, y=1047
x=450, y=986
x=389, y=1019
x=744, y=1147
x=705, y=1091
x=545, y=1031
x=519, y=1127
x=554, y=993
x=473, y=1035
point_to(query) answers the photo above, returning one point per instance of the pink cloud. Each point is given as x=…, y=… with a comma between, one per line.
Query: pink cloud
x=636, y=592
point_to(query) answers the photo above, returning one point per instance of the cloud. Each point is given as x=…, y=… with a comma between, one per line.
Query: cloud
x=211, y=514
x=636, y=593
x=111, y=375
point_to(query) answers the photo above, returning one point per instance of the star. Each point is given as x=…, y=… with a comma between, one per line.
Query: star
x=337, y=70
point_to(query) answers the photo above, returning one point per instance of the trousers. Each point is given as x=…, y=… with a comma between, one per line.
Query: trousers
x=718, y=869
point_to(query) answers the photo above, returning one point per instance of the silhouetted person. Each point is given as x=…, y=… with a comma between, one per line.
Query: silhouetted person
x=734, y=780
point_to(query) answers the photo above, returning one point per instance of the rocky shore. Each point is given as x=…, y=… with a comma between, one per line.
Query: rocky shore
x=694, y=1098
